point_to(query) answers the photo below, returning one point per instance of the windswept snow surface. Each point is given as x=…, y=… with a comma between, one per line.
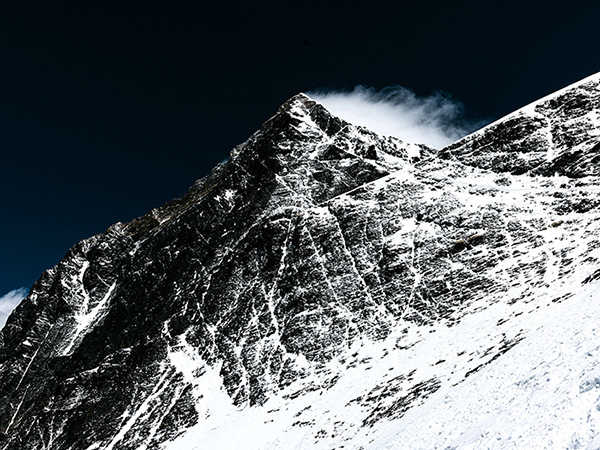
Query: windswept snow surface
x=545, y=393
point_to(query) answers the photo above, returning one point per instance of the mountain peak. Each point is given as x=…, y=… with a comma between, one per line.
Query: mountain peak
x=307, y=149
x=302, y=148
x=304, y=115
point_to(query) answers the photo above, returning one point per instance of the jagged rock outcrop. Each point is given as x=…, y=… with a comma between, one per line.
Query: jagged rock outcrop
x=316, y=239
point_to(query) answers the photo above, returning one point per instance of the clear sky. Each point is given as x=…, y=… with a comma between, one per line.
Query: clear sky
x=110, y=108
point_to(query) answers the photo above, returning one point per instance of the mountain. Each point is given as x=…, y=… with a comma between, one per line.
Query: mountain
x=329, y=287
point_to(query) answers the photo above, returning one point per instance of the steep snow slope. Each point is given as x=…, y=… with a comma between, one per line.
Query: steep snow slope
x=329, y=287
x=544, y=393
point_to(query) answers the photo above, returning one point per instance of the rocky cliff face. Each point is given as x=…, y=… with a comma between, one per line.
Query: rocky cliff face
x=316, y=267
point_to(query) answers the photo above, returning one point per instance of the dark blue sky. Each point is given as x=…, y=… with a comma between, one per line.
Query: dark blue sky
x=110, y=108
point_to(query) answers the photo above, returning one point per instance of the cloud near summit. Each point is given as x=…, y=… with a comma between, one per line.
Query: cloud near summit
x=9, y=301
x=436, y=120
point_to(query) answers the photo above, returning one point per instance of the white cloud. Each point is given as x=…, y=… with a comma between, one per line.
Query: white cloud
x=436, y=120
x=9, y=301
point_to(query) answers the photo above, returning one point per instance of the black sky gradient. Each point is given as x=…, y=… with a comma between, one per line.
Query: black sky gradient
x=110, y=108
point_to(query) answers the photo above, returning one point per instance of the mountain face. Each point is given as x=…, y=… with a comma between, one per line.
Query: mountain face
x=329, y=287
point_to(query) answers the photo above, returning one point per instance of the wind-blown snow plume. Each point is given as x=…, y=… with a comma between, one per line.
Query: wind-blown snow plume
x=9, y=301
x=436, y=120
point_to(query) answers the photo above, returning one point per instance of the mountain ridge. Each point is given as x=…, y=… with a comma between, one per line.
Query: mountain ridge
x=564, y=126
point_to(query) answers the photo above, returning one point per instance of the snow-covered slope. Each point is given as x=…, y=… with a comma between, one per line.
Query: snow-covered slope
x=329, y=287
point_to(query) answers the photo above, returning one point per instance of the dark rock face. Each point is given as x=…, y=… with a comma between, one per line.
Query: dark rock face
x=314, y=235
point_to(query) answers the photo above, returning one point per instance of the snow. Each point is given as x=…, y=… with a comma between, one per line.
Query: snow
x=532, y=397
